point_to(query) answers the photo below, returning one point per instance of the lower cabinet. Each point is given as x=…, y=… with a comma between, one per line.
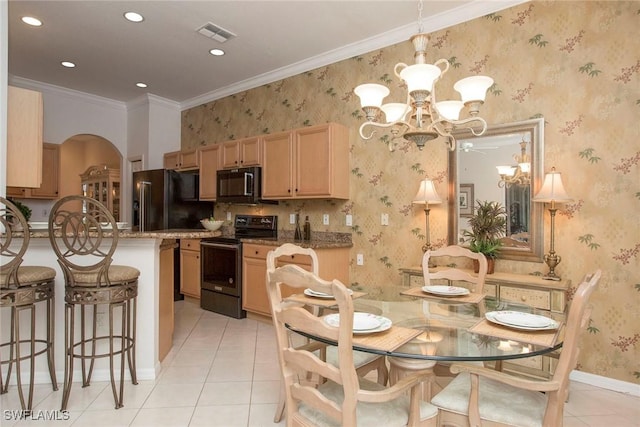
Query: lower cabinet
x=333, y=264
x=190, y=267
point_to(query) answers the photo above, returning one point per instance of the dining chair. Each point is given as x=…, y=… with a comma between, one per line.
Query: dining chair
x=364, y=362
x=399, y=367
x=84, y=236
x=344, y=398
x=24, y=288
x=480, y=396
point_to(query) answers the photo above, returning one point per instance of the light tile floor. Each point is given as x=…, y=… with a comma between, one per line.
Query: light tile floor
x=224, y=372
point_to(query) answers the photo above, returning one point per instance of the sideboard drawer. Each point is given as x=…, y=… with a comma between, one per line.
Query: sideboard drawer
x=534, y=298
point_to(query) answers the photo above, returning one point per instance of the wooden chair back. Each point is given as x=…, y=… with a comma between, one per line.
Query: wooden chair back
x=84, y=236
x=577, y=320
x=456, y=274
x=296, y=360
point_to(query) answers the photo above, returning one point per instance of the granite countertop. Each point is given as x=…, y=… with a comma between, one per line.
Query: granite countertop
x=157, y=234
x=313, y=243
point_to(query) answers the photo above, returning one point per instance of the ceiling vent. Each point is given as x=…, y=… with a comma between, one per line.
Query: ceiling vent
x=215, y=32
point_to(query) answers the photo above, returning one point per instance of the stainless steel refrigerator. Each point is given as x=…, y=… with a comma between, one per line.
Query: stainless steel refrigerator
x=165, y=199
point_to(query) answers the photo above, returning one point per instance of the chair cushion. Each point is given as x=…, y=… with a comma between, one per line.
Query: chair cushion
x=498, y=402
x=29, y=275
x=388, y=414
x=117, y=274
x=360, y=358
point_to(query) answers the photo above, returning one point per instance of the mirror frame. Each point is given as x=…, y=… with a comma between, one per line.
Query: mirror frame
x=535, y=128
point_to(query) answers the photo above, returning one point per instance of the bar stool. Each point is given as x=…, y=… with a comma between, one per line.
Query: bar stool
x=21, y=289
x=80, y=228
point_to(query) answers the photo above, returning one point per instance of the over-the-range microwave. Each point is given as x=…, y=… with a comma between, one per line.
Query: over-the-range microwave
x=240, y=186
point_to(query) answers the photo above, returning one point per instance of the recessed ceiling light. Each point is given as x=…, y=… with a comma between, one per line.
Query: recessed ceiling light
x=216, y=52
x=68, y=64
x=133, y=17
x=140, y=84
x=30, y=20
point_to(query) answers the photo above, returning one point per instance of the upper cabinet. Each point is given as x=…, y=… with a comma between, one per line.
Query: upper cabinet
x=241, y=153
x=210, y=162
x=50, y=177
x=181, y=160
x=311, y=162
x=24, y=137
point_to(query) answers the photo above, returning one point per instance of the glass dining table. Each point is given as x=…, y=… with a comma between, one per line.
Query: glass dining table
x=416, y=325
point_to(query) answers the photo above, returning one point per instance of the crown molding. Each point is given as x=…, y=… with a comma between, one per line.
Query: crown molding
x=151, y=99
x=438, y=22
x=68, y=93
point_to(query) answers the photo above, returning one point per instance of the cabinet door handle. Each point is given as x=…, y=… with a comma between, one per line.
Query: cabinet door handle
x=257, y=252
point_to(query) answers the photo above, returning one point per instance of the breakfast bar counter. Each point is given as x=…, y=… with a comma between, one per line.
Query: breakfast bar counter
x=141, y=250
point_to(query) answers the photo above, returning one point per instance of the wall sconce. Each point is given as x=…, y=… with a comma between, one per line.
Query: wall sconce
x=552, y=191
x=518, y=175
x=427, y=195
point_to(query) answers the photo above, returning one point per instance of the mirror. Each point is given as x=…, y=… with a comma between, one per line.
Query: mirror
x=473, y=175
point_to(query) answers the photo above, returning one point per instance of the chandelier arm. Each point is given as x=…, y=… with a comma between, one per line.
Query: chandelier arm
x=442, y=70
x=380, y=125
x=463, y=122
x=395, y=69
x=449, y=139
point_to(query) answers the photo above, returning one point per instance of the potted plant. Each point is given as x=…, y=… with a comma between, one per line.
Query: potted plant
x=488, y=225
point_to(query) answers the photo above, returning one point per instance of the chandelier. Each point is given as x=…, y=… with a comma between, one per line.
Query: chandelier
x=516, y=175
x=421, y=117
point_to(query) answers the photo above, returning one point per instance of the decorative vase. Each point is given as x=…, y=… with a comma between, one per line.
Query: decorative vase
x=491, y=265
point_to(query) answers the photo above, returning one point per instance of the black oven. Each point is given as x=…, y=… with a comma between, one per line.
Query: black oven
x=221, y=264
x=221, y=276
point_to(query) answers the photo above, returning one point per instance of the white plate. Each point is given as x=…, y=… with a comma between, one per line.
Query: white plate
x=446, y=290
x=311, y=293
x=359, y=322
x=524, y=321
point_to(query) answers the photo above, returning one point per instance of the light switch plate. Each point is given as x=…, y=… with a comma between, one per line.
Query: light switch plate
x=325, y=219
x=384, y=219
x=228, y=216
x=349, y=220
x=292, y=218
x=360, y=259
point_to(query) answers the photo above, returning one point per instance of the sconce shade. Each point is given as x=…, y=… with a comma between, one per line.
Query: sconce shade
x=371, y=94
x=473, y=88
x=427, y=193
x=552, y=189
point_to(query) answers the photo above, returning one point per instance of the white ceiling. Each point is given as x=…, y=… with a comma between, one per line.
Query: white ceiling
x=275, y=39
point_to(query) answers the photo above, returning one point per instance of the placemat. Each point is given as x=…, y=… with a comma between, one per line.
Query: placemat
x=547, y=338
x=319, y=302
x=471, y=298
x=388, y=340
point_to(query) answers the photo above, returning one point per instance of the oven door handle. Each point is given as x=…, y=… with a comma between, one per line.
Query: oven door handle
x=220, y=245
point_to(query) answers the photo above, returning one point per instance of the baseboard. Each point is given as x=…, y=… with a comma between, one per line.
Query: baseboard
x=98, y=375
x=606, y=383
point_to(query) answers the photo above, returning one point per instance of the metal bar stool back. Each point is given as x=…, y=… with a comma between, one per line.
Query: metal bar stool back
x=84, y=236
x=21, y=289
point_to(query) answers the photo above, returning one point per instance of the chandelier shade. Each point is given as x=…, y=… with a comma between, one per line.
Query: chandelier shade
x=518, y=175
x=421, y=117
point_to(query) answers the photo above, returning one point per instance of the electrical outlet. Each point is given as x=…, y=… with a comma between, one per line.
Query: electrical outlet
x=228, y=216
x=325, y=219
x=360, y=259
x=349, y=220
x=384, y=219
x=292, y=218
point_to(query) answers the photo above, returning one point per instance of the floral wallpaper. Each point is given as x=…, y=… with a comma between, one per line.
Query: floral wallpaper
x=575, y=63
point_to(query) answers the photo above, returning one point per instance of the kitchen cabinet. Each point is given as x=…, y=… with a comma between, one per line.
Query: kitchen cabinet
x=103, y=184
x=24, y=137
x=333, y=264
x=190, y=267
x=306, y=163
x=165, y=299
x=181, y=160
x=210, y=162
x=241, y=153
x=50, y=173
